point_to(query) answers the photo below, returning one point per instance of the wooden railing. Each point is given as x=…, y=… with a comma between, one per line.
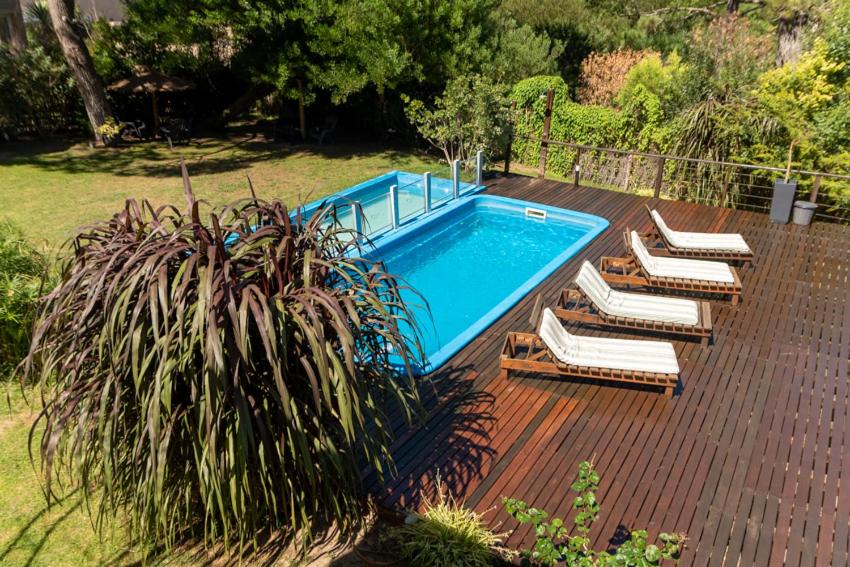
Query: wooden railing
x=716, y=183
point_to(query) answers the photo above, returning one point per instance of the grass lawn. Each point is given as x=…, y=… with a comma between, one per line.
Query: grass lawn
x=30, y=532
x=33, y=535
x=50, y=189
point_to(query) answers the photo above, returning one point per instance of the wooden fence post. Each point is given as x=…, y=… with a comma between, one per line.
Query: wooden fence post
x=659, y=177
x=813, y=198
x=544, y=140
x=509, y=150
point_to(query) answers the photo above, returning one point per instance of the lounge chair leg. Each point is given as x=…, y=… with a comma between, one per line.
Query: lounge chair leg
x=735, y=299
x=704, y=341
x=668, y=392
x=503, y=374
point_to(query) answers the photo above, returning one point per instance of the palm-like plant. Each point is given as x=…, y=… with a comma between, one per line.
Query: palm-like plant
x=220, y=378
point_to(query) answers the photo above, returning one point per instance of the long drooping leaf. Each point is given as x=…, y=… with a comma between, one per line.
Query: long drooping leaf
x=218, y=379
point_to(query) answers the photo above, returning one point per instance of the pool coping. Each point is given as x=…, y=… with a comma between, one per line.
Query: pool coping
x=597, y=225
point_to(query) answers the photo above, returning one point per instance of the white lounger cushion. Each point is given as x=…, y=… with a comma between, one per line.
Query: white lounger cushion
x=701, y=240
x=663, y=267
x=635, y=305
x=618, y=354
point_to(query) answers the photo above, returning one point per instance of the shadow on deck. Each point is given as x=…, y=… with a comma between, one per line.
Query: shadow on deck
x=751, y=458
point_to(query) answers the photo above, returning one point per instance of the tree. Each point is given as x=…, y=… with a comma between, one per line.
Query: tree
x=724, y=59
x=796, y=92
x=470, y=115
x=79, y=60
x=17, y=31
x=293, y=49
x=516, y=52
x=792, y=16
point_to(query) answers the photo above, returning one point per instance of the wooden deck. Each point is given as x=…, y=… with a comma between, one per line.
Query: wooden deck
x=751, y=457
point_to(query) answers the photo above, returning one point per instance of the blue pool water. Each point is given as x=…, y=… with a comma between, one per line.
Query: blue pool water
x=475, y=259
x=373, y=196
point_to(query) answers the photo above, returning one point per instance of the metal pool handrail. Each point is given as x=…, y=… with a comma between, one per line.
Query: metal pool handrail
x=393, y=203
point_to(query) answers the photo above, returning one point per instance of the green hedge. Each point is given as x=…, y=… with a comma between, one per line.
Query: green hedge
x=637, y=126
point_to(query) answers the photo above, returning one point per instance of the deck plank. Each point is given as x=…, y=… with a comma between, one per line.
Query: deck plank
x=751, y=457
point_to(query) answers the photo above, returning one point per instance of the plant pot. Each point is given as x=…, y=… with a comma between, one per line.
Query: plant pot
x=804, y=212
x=783, y=200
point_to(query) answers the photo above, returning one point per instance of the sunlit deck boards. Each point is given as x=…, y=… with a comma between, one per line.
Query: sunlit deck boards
x=751, y=457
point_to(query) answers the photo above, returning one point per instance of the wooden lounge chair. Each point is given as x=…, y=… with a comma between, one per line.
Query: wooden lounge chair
x=555, y=351
x=701, y=245
x=639, y=268
x=593, y=301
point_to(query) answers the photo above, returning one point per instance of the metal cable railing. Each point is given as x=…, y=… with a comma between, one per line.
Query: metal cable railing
x=715, y=183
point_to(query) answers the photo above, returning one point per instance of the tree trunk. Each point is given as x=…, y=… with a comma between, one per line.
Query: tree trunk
x=17, y=31
x=302, y=115
x=80, y=62
x=732, y=6
x=789, y=28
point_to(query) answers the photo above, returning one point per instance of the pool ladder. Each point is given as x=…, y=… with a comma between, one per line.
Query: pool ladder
x=357, y=209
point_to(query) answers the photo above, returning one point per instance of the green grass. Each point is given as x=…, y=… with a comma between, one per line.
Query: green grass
x=30, y=532
x=50, y=189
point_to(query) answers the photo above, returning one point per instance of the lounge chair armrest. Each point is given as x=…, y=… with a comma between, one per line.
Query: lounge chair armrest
x=705, y=314
x=570, y=295
x=608, y=262
x=536, y=311
x=509, y=347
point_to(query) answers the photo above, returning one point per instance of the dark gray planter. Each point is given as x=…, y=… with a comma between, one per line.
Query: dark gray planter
x=804, y=212
x=783, y=200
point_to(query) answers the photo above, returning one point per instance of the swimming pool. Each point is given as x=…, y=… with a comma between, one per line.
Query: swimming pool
x=475, y=259
x=373, y=196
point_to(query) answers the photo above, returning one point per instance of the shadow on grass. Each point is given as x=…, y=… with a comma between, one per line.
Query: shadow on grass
x=25, y=529
x=452, y=439
x=203, y=156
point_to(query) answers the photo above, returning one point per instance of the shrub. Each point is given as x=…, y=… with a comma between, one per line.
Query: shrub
x=220, y=378
x=724, y=58
x=604, y=74
x=638, y=126
x=22, y=273
x=471, y=115
x=555, y=545
x=659, y=77
x=446, y=533
x=37, y=92
x=796, y=92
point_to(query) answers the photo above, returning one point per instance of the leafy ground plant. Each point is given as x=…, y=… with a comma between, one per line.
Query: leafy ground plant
x=22, y=273
x=554, y=543
x=446, y=533
x=218, y=379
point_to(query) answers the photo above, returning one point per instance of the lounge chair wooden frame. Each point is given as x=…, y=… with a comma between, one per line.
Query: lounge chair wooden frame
x=574, y=305
x=655, y=240
x=627, y=271
x=526, y=352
